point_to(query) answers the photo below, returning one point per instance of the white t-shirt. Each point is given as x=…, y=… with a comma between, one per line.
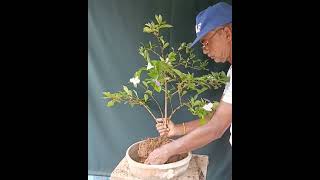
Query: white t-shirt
x=227, y=96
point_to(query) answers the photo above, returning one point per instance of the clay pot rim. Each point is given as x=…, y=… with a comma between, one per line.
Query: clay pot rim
x=161, y=166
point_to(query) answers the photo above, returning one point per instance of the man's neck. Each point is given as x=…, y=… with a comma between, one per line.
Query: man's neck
x=230, y=58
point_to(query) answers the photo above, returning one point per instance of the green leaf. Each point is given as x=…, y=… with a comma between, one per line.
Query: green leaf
x=145, y=84
x=165, y=45
x=153, y=74
x=158, y=18
x=202, y=121
x=191, y=100
x=146, y=55
x=183, y=93
x=182, y=46
x=141, y=49
x=138, y=73
x=199, y=91
x=125, y=88
x=147, y=30
x=151, y=24
x=197, y=102
x=110, y=104
x=172, y=56
x=179, y=73
x=155, y=87
x=149, y=92
x=145, y=97
x=161, y=39
x=166, y=26
x=107, y=94
x=196, y=96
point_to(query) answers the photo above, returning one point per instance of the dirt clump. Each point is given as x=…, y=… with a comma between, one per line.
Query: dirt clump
x=150, y=144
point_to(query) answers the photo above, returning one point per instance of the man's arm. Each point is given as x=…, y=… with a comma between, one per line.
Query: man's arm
x=203, y=135
x=189, y=126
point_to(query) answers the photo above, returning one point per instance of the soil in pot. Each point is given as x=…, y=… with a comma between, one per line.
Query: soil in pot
x=150, y=144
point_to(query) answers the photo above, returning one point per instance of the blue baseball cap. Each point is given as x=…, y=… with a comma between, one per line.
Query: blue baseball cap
x=211, y=18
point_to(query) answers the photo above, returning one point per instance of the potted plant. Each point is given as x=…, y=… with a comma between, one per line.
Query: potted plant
x=166, y=73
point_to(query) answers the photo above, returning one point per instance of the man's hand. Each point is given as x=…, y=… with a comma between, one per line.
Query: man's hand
x=158, y=156
x=170, y=130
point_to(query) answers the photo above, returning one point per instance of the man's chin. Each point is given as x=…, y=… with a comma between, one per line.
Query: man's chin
x=219, y=60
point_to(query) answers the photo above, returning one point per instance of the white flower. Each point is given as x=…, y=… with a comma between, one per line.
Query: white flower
x=135, y=81
x=149, y=66
x=208, y=107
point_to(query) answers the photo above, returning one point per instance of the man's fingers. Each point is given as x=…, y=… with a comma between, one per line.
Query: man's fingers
x=146, y=161
x=159, y=120
x=163, y=131
x=160, y=125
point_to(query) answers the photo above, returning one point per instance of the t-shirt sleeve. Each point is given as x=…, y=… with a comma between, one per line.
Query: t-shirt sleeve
x=227, y=94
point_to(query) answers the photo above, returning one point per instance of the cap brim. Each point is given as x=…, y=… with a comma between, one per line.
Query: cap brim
x=200, y=36
x=195, y=41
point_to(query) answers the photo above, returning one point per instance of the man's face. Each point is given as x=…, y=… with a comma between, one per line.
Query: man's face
x=216, y=44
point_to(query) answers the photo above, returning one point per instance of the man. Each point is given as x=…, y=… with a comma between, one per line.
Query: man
x=214, y=31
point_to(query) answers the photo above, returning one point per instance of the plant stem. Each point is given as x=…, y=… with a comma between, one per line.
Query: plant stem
x=188, y=66
x=171, y=105
x=179, y=97
x=131, y=99
x=176, y=110
x=171, y=99
x=165, y=101
x=160, y=44
x=159, y=107
x=175, y=92
x=155, y=52
x=150, y=112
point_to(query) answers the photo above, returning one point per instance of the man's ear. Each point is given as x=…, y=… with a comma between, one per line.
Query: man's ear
x=228, y=32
